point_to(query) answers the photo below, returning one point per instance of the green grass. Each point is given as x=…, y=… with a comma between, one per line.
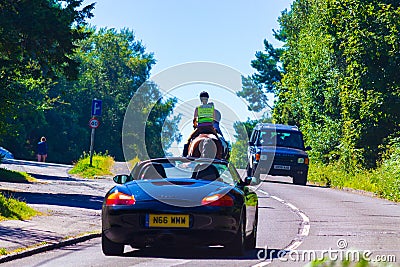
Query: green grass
x=12, y=209
x=383, y=181
x=15, y=177
x=101, y=165
x=326, y=263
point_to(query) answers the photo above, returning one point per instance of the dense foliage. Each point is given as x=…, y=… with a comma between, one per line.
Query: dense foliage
x=383, y=181
x=51, y=76
x=113, y=66
x=338, y=77
x=36, y=41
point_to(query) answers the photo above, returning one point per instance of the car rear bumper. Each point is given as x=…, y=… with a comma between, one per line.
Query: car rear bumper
x=203, y=230
x=271, y=170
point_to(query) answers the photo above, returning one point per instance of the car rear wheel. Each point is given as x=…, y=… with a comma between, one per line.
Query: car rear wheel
x=110, y=248
x=300, y=179
x=237, y=246
x=252, y=239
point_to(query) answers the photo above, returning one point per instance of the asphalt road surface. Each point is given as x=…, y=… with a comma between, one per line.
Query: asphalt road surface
x=295, y=222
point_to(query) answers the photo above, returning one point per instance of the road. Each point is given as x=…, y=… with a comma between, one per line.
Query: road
x=294, y=222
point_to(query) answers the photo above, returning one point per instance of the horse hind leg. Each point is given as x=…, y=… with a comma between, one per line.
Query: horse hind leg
x=208, y=149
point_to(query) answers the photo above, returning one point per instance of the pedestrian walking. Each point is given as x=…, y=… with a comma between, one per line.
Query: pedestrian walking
x=42, y=150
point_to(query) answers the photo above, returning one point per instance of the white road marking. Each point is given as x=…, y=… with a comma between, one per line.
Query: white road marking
x=304, y=229
x=262, y=191
x=161, y=262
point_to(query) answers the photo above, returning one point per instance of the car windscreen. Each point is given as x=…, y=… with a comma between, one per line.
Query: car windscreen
x=201, y=170
x=281, y=138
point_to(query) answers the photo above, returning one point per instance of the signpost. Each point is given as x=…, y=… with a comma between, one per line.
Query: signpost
x=96, y=107
x=94, y=123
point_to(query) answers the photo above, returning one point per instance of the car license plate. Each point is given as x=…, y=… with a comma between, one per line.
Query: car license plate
x=282, y=167
x=167, y=220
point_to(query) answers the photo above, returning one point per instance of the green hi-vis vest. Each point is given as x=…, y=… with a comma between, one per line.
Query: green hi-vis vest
x=205, y=113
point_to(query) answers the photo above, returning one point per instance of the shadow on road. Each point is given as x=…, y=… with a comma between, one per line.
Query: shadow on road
x=35, y=164
x=196, y=253
x=67, y=200
x=19, y=236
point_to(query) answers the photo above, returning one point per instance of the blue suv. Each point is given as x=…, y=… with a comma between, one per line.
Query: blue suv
x=277, y=149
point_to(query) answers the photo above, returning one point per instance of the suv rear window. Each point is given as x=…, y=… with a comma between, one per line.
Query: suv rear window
x=281, y=138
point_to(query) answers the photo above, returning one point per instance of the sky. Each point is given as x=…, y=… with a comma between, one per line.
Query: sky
x=227, y=32
x=177, y=31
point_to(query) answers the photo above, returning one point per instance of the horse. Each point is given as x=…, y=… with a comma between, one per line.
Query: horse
x=207, y=146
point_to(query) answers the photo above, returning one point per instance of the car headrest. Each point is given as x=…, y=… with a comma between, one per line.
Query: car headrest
x=153, y=171
x=206, y=172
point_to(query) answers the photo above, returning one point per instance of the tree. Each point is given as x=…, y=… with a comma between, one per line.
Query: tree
x=37, y=38
x=265, y=80
x=239, y=147
x=338, y=77
x=114, y=65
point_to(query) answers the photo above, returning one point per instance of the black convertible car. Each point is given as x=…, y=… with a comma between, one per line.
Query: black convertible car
x=179, y=202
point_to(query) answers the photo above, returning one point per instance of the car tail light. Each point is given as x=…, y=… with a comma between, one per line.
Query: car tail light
x=258, y=156
x=306, y=161
x=118, y=198
x=218, y=200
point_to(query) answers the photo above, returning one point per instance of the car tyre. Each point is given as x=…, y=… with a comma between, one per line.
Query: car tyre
x=237, y=246
x=300, y=179
x=252, y=239
x=256, y=173
x=110, y=248
x=249, y=170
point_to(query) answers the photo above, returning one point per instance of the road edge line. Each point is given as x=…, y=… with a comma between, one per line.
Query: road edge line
x=303, y=230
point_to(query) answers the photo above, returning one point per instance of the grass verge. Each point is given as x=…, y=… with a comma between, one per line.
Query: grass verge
x=383, y=181
x=12, y=209
x=15, y=177
x=101, y=165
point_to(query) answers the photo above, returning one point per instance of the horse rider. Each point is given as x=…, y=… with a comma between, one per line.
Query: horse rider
x=203, y=119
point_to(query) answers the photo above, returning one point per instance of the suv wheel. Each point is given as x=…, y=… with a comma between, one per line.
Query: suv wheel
x=300, y=179
x=255, y=173
x=248, y=170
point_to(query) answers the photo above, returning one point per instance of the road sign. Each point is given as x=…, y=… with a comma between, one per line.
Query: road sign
x=96, y=107
x=94, y=123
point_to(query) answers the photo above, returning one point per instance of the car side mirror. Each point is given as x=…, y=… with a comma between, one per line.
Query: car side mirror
x=122, y=179
x=308, y=148
x=251, y=180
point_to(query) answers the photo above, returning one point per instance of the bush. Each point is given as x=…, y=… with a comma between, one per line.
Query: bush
x=15, y=177
x=11, y=208
x=384, y=181
x=101, y=165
